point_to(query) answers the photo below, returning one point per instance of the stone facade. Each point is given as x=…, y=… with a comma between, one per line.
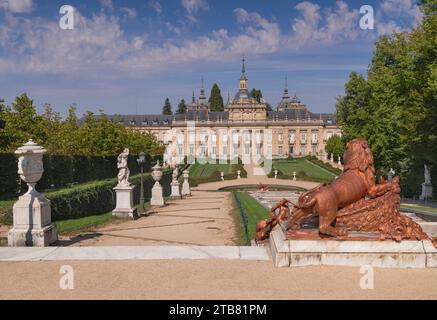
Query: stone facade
x=292, y=130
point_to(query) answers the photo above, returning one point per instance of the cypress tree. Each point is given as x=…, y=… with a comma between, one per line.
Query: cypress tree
x=182, y=107
x=215, y=99
x=166, y=110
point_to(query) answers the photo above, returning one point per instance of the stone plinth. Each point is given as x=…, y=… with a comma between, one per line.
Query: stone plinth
x=157, y=196
x=426, y=191
x=385, y=254
x=32, y=222
x=124, y=203
x=175, y=193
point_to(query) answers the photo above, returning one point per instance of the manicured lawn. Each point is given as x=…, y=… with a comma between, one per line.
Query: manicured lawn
x=288, y=166
x=78, y=224
x=253, y=211
x=202, y=171
x=419, y=208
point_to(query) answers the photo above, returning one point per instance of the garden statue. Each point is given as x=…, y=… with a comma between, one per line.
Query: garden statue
x=427, y=174
x=352, y=202
x=124, y=204
x=123, y=173
x=426, y=186
x=390, y=174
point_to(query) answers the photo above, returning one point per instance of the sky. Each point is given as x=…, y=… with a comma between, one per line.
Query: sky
x=126, y=57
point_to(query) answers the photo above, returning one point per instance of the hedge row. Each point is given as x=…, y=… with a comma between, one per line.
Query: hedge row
x=216, y=176
x=63, y=171
x=89, y=198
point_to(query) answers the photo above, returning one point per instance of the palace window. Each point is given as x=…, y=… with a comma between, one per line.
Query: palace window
x=280, y=152
x=314, y=136
x=303, y=137
x=303, y=151
x=291, y=136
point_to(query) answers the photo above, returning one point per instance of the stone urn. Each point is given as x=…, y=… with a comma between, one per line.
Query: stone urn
x=157, y=191
x=157, y=172
x=30, y=164
x=32, y=211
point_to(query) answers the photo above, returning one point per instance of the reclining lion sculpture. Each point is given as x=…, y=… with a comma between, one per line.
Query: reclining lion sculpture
x=347, y=195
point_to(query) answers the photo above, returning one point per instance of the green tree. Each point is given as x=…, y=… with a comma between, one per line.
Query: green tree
x=166, y=110
x=335, y=145
x=257, y=94
x=182, y=107
x=215, y=99
x=394, y=107
x=21, y=123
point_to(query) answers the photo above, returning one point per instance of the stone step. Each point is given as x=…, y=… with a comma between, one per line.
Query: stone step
x=135, y=253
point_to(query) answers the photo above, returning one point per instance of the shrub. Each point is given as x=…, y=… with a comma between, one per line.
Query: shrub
x=63, y=171
x=89, y=198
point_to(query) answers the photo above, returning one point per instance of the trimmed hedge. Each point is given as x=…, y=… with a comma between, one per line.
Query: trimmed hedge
x=63, y=171
x=216, y=175
x=89, y=198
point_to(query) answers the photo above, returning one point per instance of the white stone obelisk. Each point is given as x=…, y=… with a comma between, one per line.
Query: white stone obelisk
x=32, y=211
x=186, y=184
x=157, y=193
x=124, y=203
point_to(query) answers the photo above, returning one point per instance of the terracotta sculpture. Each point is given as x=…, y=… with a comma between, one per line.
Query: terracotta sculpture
x=342, y=206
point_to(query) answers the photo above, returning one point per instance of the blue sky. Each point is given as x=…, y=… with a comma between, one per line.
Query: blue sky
x=128, y=56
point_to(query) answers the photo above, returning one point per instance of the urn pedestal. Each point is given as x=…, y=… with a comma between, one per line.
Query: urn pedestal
x=32, y=222
x=124, y=202
x=175, y=189
x=31, y=213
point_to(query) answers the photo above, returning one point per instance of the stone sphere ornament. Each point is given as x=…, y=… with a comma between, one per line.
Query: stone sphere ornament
x=30, y=164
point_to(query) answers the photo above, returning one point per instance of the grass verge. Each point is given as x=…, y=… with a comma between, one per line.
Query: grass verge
x=251, y=211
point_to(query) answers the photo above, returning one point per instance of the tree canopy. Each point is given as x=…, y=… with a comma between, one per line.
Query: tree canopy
x=257, y=94
x=215, y=99
x=182, y=107
x=96, y=135
x=166, y=109
x=335, y=145
x=394, y=107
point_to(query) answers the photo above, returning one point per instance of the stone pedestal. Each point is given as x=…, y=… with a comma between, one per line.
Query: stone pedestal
x=426, y=191
x=124, y=203
x=175, y=189
x=157, y=197
x=32, y=222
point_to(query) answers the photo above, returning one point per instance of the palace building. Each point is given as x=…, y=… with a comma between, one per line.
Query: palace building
x=245, y=127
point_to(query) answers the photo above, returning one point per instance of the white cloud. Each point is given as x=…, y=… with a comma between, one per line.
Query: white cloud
x=315, y=26
x=16, y=6
x=395, y=10
x=156, y=6
x=192, y=7
x=107, y=4
x=98, y=43
x=129, y=13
